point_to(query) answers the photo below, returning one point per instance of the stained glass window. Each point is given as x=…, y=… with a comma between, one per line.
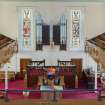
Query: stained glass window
x=39, y=24
x=75, y=31
x=63, y=32
x=27, y=20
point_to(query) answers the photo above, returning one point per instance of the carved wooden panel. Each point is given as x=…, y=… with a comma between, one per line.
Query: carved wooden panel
x=45, y=35
x=56, y=34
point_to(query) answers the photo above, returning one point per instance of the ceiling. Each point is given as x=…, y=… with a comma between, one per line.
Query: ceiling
x=56, y=0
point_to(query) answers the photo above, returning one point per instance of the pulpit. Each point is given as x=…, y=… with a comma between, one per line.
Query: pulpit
x=35, y=73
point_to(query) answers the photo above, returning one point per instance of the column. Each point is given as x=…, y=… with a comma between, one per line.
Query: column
x=6, y=83
x=95, y=79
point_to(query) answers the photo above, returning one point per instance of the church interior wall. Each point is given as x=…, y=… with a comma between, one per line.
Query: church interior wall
x=93, y=25
x=94, y=15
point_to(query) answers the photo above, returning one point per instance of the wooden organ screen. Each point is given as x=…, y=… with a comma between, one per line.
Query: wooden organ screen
x=56, y=34
x=45, y=34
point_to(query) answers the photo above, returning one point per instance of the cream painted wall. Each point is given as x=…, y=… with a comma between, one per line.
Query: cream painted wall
x=95, y=20
x=8, y=20
x=93, y=25
x=94, y=15
x=49, y=56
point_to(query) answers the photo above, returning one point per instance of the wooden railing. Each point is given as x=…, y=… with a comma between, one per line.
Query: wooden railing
x=96, y=48
x=7, y=48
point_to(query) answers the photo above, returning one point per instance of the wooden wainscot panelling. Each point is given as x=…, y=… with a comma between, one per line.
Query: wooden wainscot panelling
x=11, y=75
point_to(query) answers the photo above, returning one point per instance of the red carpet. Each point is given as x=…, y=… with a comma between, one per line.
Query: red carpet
x=19, y=84
x=79, y=95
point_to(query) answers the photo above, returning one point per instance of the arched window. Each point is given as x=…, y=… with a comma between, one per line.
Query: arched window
x=25, y=28
x=27, y=21
x=63, y=32
x=39, y=23
x=63, y=29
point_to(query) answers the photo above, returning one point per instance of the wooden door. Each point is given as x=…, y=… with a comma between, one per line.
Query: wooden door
x=78, y=62
x=69, y=81
x=23, y=64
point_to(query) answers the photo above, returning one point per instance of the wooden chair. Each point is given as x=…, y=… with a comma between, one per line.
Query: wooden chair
x=102, y=85
x=103, y=80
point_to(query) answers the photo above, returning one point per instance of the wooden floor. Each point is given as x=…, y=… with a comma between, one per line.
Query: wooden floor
x=61, y=102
